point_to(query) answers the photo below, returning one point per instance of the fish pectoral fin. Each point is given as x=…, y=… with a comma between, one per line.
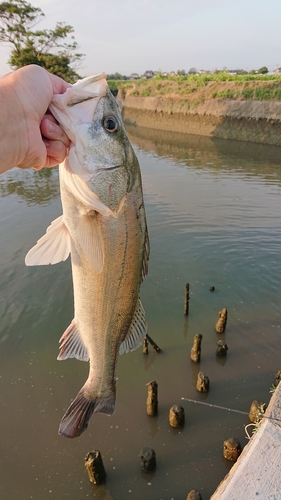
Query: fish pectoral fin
x=52, y=248
x=90, y=238
x=72, y=345
x=137, y=331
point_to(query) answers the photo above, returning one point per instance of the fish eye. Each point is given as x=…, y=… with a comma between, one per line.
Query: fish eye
x=110, y=124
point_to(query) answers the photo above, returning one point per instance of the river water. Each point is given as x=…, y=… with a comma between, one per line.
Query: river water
x=214, y=219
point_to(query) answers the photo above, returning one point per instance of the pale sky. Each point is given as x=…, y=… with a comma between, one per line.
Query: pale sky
x=138, y=35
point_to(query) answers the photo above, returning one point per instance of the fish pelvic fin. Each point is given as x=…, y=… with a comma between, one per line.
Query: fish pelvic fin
x=76, y=418
x=52, y=248
x=137, y=330
x=72, y=345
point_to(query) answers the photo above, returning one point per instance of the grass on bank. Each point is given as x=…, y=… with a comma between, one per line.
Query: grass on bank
x=221, y=85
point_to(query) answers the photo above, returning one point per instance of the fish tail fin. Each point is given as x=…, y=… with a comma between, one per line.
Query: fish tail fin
x=76, y=418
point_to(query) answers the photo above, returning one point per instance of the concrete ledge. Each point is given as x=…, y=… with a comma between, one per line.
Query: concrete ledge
x=257, y=472
x=251, y=109
x=252, y=121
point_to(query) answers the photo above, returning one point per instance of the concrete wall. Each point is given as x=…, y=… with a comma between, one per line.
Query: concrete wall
x=254, y=121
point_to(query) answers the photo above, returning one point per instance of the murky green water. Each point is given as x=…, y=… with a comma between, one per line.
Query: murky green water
x=213, y=210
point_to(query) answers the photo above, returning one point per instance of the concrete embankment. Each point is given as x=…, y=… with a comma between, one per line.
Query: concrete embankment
x=254, y=121
x=257, y=472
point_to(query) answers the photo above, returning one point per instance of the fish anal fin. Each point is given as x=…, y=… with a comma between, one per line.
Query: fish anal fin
x=90, y=238
x=76, y=418
x=52, y=248
x=72, y=345
x=137, y=331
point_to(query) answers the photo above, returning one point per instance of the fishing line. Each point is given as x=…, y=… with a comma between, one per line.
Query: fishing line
x=227, y=409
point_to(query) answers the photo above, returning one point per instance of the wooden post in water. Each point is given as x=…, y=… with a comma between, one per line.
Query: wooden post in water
x=277, y=378
x=148, y=459
x=256, y=412
x=154, y=345
x=231, y=449
x=194, y=495
x=222, y=319
x=145, y=346
x=221, y=348
x=147, y=339
x=152, y=401
x=203, y=382
x=176, y=416
x=186, y=299
x=195, y=352
x=94, y=466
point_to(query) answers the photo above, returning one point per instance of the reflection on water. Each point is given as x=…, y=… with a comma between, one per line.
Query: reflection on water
x=213, y=210
x=204, y=152
x=35, y=187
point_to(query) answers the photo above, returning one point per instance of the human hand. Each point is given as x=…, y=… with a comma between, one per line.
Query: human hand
x=29, y=134
x=55, y=140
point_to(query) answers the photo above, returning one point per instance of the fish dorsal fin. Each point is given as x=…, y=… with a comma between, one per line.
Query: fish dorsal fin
x=90, y=238
x=137, y=331
x=145, y=255
x=52, y=248
x=72, y=345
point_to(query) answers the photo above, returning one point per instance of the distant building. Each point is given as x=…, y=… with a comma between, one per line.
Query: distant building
x=134, y=76
x=148, y=74
x=277, y=71
x=172, y=73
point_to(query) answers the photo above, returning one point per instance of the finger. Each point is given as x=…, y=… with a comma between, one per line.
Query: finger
x=56, y=152
x=51, y=130
x=59, y=85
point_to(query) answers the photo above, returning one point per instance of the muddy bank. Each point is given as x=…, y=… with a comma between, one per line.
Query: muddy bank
x=253, y=121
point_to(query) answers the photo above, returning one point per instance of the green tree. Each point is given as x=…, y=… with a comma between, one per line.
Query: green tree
x=116, y=76
x=263, y=70
x=49, y=48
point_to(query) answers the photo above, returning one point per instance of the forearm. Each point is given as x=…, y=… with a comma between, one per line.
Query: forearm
x=13, y=133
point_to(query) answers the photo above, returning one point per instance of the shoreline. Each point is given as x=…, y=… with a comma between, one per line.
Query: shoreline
x=257, y=471
x=251, y=121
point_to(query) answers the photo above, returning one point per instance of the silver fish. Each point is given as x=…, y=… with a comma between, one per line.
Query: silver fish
x=103, y=227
